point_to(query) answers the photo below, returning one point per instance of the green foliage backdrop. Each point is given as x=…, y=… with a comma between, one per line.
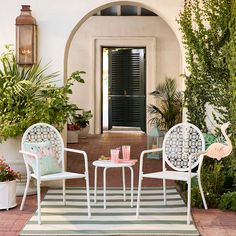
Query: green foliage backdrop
x=209, y=37
x=204, y=25
x=232, y=67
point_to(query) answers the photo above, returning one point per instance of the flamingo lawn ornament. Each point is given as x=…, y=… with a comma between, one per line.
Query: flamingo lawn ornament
x=220, y=150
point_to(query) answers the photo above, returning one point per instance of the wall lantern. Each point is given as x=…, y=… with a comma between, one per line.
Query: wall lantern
x=26, y=41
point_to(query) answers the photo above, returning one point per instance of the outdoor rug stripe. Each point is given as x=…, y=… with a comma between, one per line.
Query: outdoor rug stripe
x=118, y=219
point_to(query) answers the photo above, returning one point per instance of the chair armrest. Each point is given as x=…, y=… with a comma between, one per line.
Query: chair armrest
x=190, y=159
x=142, y=155
x=148, y=151
x=79, y=152
x=27, y=163
x=29, y=153
x=197, y=154
x=151, y=150
x=76, y=151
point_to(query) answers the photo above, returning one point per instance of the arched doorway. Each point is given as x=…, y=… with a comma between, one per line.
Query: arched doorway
x=84, y=53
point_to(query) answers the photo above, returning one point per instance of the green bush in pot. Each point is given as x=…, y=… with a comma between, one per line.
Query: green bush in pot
x=28, y=96
x=81, y=120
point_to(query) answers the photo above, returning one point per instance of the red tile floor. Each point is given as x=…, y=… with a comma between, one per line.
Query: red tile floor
x=212, y=222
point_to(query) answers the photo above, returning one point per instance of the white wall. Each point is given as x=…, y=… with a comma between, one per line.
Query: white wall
x=57, y=19
x=81, y=53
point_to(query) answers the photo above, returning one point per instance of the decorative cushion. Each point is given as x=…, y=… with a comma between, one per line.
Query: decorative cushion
x=48, y=163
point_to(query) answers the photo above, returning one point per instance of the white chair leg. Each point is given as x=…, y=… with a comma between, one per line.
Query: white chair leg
x=132, y=185
x=123, y=180
x=104, y=187
x=139, y=193
x=201, y=191
x=38, y=199
x=164, y=191
x=25, y=193
x=95, y=184
x=64, y=191
x=189, y=202
x=88, y=194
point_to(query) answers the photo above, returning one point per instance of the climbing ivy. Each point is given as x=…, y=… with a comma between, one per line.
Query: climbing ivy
x=231, y=53
x=204, y=25
x=209, y=37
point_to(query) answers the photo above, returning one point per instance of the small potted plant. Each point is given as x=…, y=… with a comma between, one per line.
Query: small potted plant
x=7, y=185
x=78, y=125
x=72, y=131
x=82, y=122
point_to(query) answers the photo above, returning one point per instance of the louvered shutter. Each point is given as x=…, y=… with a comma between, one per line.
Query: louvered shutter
x=127, y=99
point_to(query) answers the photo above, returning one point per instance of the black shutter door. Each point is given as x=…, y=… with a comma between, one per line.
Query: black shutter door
x=127, y=99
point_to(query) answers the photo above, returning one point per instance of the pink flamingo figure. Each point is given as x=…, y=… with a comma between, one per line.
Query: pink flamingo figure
x=220, y=150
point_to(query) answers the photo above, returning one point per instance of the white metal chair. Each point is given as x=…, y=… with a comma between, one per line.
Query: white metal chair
x=38, y=133
x=182, y=149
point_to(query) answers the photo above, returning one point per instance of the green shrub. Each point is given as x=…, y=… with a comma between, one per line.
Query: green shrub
x=228, y=201
x=28, y=96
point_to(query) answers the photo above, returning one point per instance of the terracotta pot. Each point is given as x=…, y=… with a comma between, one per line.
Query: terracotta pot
x=8, y=194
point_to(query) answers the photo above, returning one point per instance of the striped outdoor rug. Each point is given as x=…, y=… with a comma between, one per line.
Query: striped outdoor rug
x=118, y=219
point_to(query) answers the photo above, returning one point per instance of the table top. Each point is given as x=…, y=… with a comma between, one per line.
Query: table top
x=111, y=164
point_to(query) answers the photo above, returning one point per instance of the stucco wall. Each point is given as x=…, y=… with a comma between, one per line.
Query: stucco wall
x=81, y=53
x=57, y=19
x=58, y=22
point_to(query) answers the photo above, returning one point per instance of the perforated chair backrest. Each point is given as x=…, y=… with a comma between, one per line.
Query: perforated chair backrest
x=179, y=143
x=41, y=132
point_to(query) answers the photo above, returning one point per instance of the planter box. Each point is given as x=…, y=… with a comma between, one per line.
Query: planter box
x=8, y=194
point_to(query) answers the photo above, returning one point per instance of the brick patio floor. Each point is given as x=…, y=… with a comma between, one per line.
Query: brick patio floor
x=212, y=222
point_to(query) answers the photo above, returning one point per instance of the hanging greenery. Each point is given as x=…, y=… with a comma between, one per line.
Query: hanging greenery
x=204, y=25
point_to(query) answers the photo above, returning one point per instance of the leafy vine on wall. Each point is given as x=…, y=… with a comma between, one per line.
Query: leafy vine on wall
x=204, y=25
x=231, y=49
x=209, y=37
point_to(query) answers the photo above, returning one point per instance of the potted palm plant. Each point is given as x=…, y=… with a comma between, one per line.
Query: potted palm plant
x=165, y=114
x=168, y=110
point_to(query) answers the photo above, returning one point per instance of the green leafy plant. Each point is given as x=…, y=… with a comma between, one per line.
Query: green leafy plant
x=56, y=107
x=79, y=120
x=230, y=51
x=204, y=25
x=228, y=201
x=6, y=173
x=28, y=96
x=168, y=112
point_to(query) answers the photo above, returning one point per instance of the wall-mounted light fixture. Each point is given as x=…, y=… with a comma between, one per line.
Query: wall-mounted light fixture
x=26, y=37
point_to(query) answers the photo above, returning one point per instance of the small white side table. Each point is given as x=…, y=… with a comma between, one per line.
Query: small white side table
x=109, y=164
